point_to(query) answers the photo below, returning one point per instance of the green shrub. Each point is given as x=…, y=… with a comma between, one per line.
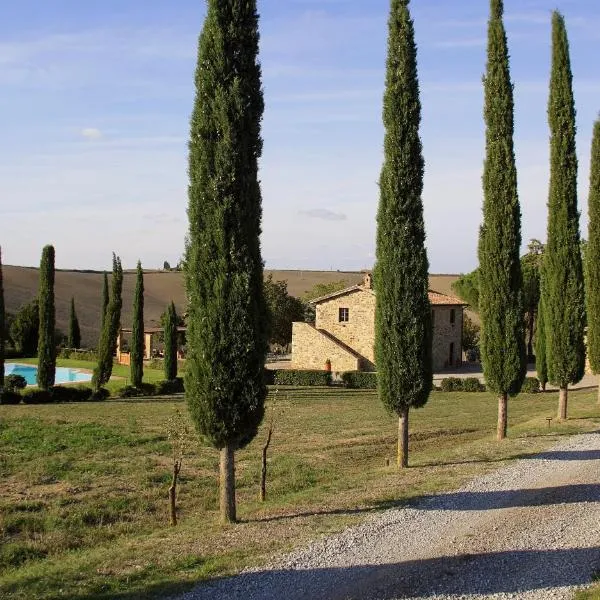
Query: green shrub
x=300, y=378
x=100, y=395
x=531, y=385
x=69, y=353
x=360, y=380
x=69, y=393
x=167, y=387
x=472, y=384
x=65, y=353
x=130, y=391
x=9, y=397
x=13, y=383
x=451, y=384
x=35, y=396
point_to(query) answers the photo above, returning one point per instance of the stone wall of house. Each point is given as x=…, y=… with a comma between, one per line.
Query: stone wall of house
x=359, y=331
x=445, y=334
x=311, y=349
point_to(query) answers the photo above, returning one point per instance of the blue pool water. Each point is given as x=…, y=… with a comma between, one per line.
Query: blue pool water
x=63, y=375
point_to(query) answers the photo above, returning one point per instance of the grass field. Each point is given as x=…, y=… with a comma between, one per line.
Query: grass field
x=83, y=487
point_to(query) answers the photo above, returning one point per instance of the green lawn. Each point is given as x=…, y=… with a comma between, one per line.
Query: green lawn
x=83, y=487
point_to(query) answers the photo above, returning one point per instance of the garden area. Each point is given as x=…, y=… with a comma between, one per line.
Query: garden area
x=84, y=511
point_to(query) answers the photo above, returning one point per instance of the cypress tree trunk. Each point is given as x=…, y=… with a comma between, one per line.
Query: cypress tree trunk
x=112, y=322
x=541, y=365
x=46, y=342
x=2, y=326
x=563, y=396
x=592, y=258
x=74, y=340
x=227, y=481
x=562, y=272
x=403, y=312
x=500, y=278
x=227, y=337
x=170, y=363
x=403, y=440
x=502, y=427
x=137, y=333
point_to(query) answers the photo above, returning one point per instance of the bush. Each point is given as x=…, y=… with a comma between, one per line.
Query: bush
x=13, y=383
x=69, y=353
x=9, y=397
x=472, y=384
x=456, y=384
x=360, y=380
x=99, y=396
x=129, y=391
x=36, y=396
x=301, y=378
x=69, y=393
x=167, y=387
x=531, y=385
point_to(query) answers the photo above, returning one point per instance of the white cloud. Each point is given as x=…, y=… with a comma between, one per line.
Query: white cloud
x=91, y=133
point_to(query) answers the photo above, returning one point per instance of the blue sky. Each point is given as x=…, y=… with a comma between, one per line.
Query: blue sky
x=95, y=99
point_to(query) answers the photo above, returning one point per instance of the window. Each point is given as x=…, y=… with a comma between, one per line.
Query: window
x=452, y=316
x=344, y=315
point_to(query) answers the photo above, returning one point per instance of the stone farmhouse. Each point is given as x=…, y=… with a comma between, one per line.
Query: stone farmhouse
x=344, y=331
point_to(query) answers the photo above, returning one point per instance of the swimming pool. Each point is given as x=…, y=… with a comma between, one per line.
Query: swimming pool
x=63, y=375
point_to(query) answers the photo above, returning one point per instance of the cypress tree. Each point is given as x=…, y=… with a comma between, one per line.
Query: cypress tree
x=171, y=343
x=2, y=326
x=74, y=330
x=403, y=312
x=46, y=343
x=562, y=272
x=592, y=258
x=137, y=333
x=500, y=278
x=541, y=364
x=105, y=299
x=110, y=331
x=227, y=342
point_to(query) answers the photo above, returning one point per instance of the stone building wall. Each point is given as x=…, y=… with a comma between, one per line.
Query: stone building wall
x=445, y=334
x=359, y=331
x=311, y=349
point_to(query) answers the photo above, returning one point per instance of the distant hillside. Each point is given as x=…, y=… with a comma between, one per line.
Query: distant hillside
x=21, y=284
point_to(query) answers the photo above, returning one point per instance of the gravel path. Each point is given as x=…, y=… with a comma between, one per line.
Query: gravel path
x=528, y=531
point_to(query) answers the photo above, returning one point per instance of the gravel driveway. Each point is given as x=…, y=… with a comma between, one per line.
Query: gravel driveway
x=530, y=530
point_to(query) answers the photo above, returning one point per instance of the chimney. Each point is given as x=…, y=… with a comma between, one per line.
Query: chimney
x=368, y=281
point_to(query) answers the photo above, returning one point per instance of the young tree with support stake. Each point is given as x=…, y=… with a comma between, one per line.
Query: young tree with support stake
x=403, y=312
x=137, y=330
x=74, y=339
x=46, y=343
x=562, y=272
x=227, y=329
x=500, y=279
x=592, y=259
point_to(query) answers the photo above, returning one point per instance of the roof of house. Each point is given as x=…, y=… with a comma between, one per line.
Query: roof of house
x=436, y=298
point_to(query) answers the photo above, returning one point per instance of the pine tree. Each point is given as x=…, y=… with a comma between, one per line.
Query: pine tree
x=171, y=343
x=105, y=300
x=46, y=343
x=500, y=278
x=562, y=272
x=137, y=333
x=74, y=330
x=592, y=258
x=112, y=323
x=541, y=364
x=227, y=343
x=403, y=313
x=2, y=326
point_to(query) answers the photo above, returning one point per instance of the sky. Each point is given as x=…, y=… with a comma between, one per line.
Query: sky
x=95, y=100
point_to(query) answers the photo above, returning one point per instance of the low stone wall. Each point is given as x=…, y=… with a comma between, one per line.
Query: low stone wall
x=311, y=349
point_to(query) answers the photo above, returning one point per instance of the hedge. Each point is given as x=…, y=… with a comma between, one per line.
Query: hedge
x=360, y=380
x=300, y=378
x=70, y=393
x=8, y=397
x=35, y=396
x=456, y=384
x=87, y=355
x=531, y=385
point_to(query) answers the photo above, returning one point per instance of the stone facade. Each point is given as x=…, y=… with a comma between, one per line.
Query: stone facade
x=344, y=332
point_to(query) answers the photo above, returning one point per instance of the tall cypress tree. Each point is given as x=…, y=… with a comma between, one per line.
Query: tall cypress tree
x=2, y=326
x=541, y=363
x=403, y=312
x=137, y=333
x=105, y=300
x=46, y=343
x=592, y=258
x=562, y=272
x=227, y=342
x=74, y=330
x=500, y=278
x=110, y=331
x=171, y=343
